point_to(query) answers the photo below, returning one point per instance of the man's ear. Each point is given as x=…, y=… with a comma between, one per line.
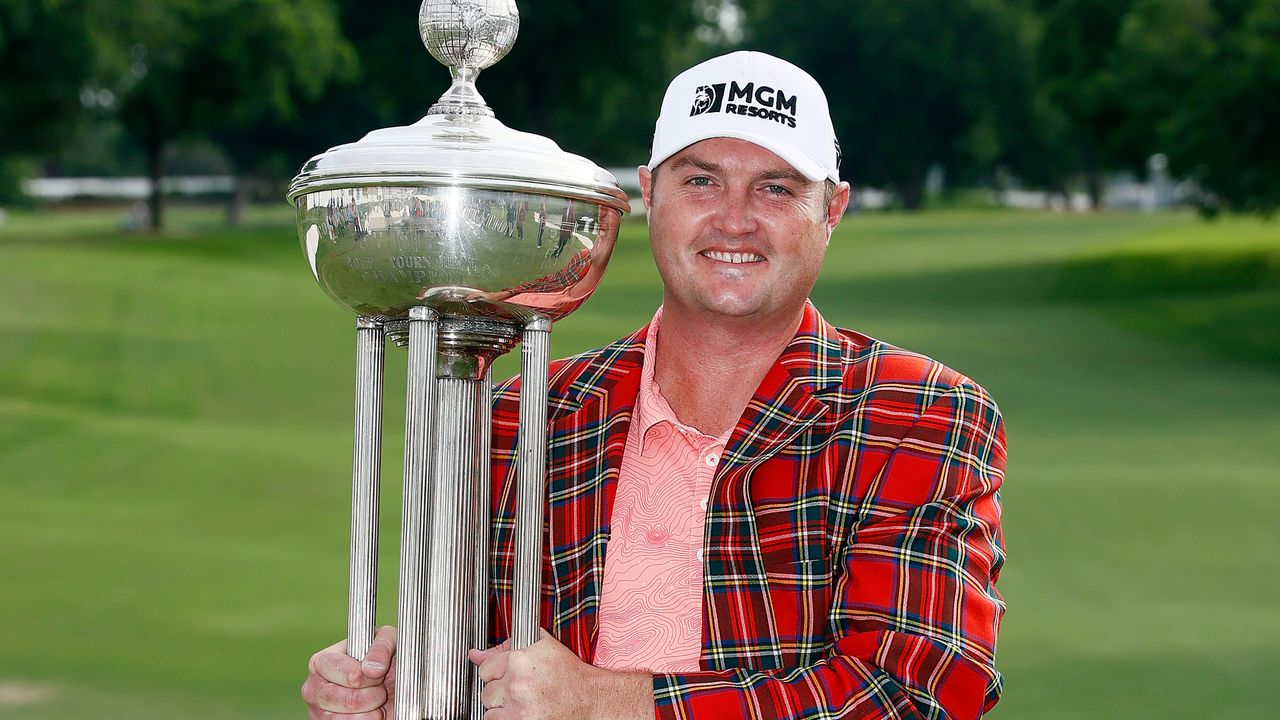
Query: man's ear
x=835, y=209
x=646, y=186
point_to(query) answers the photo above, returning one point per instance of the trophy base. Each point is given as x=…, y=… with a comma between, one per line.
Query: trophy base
x=467, y=346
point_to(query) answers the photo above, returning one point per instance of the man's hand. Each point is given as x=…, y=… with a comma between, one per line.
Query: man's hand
x=338, y=685
x=546, y=681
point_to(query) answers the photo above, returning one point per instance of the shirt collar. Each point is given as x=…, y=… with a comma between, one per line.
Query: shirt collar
x=652, y=408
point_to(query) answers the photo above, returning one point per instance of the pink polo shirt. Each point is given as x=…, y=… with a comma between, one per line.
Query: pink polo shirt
x=651, y=596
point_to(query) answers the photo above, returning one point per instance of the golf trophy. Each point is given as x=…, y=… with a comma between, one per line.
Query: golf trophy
x=460, y=238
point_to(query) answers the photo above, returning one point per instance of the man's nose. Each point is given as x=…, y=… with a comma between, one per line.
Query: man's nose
x=736, y=214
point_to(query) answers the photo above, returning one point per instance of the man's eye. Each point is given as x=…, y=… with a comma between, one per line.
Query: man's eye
x=777, y=190
x=700, y=181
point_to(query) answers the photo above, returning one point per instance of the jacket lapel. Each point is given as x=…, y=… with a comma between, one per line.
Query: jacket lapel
x=737, y=613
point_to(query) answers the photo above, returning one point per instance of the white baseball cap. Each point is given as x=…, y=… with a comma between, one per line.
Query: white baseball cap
x=755, y=97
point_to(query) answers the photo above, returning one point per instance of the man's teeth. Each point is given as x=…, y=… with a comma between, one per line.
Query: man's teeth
x=735, y=258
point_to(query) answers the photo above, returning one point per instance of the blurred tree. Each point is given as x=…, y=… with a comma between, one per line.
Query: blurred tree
x=279, y=52
x=1038, y=147
x=1076, y=69
x=588, y=75
x=46, y=53
x=219, y=67
x=592, y=75
x=911, y=82
x=1205, y=76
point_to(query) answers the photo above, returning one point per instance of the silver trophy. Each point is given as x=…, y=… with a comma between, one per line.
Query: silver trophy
x=460, y=238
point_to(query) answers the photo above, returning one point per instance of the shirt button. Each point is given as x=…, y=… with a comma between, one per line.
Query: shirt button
x=699, y=555
x=703, y=504
x=712, y=459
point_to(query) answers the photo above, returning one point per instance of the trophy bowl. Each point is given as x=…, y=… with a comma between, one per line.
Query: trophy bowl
x=464, y=251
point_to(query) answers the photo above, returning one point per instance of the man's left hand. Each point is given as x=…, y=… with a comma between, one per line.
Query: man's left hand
x=546, y=681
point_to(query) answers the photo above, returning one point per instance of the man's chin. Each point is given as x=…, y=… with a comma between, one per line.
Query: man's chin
x=735, y=306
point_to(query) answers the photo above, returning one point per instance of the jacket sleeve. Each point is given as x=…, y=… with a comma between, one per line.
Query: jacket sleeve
x=914, y=610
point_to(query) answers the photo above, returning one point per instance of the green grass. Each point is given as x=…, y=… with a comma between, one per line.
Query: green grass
x=175, y=449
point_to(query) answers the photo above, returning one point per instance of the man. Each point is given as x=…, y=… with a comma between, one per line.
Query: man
x=567, y=223
x=750, y=512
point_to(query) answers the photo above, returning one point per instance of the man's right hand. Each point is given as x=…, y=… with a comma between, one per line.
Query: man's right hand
x=338, y=685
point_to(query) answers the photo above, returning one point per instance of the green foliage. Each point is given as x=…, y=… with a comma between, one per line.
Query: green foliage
x=46, y=56
x=46, y=61
x=588, y=75
x=911, y=82
x=230, y=69
x=1197, y=80
x=1049, y=91
x=591, y=74
x=1207, y=76
x=12, y=171
x=292, y=55
x=1077, y=83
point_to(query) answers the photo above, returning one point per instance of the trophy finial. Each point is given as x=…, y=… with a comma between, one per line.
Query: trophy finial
x=467, y=36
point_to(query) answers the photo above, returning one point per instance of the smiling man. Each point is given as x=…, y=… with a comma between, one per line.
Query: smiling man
x=751, y=513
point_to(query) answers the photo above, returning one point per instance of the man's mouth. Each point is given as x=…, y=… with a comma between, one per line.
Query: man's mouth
x=735, y=258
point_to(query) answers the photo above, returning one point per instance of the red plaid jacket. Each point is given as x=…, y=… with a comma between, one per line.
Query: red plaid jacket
x=853, y=532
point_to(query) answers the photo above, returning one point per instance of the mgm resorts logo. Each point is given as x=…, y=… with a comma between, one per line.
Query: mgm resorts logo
x=762, y=102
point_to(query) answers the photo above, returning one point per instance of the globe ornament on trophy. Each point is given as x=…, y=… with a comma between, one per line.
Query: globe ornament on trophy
x=460, y=238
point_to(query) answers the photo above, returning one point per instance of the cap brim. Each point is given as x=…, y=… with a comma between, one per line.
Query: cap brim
x=794, y=156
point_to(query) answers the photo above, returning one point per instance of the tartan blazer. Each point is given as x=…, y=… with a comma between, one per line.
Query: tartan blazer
x=852, y=541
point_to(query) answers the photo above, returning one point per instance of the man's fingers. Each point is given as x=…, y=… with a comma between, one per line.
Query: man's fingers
x=326, y=715
x=389, y=680
x=492, y=694
x=345, y=700
x=340, y=668
x=340, y=647
x=494, y=666
x=318, y=714
x=381, y=652
x=477, y=657
x=309, y=689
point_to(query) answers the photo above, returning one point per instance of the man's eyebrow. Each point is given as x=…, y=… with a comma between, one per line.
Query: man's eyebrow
x=700, y=164
x=779, y=174
x=788, y=174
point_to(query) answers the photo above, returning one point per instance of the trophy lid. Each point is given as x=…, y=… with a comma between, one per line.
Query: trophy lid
x=459, y=143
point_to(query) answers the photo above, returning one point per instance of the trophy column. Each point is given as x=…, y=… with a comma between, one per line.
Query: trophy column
x=459, y=509
x=531, y=492
x=453, y=536
x=480, y=561
x=362, y=599
x=419, y=431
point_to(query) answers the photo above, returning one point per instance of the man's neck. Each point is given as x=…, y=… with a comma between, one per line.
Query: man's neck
x=708, y=368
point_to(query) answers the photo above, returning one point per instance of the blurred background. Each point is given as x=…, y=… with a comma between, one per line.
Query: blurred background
x=1071, y=201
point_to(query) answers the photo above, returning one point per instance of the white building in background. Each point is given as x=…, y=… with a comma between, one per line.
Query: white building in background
x=61, y=189
x=1123, y=190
